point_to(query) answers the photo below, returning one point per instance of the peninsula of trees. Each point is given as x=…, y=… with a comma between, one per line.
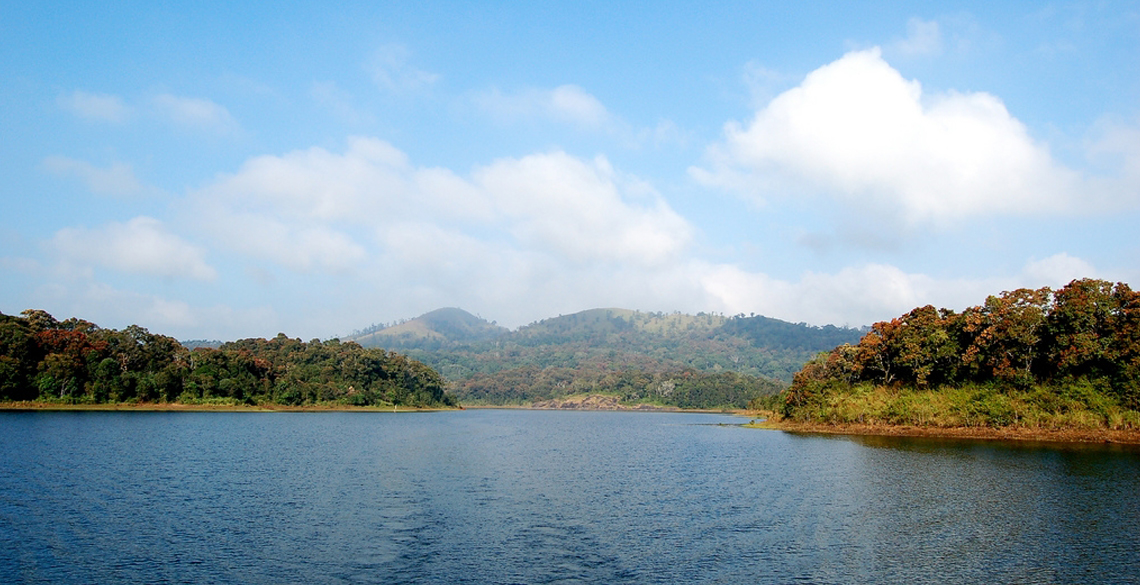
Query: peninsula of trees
x=1026, y=358
x=77, y=362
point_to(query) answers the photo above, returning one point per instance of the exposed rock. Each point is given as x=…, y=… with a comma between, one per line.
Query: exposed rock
x=595, y=402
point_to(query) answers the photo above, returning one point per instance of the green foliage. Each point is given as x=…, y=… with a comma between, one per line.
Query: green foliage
x=76, y=361
x=1023, y=357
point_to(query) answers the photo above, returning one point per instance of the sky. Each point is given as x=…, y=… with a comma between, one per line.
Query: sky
x=220, y=170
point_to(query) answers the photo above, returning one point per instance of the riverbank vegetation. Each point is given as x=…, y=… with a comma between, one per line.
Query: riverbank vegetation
x=1026, y=358
x=45, y=361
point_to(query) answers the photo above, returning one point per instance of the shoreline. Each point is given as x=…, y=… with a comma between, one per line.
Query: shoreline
x=1024, y=434
x=179, y=407
x=1019, y=434
x=658, y=409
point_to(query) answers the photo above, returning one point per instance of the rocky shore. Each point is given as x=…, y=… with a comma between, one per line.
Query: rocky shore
x=596, y=402
x=1011, y=433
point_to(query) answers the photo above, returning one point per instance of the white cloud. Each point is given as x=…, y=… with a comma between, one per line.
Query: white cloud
x=95, y=106
x=924, y=38
x=339, y=102
x=196, y=113
x=761, y=82
x=140, y=246
x=111, y=307
x=567, y=104
x=1058, y=270
x=1115, y=154
x=390, y=69
x=570, y=102
x=371, y=182
x=582, y=211
x=572, y=106
x=295, y=245
x=857, y=131
x=861, y=295
x=118, y=179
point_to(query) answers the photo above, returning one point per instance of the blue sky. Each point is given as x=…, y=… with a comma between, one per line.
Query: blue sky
x=211, y=171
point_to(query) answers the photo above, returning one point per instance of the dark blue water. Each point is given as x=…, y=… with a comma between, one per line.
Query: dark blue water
x=492, y=496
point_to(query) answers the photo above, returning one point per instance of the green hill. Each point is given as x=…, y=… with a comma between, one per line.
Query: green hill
x=704, y=360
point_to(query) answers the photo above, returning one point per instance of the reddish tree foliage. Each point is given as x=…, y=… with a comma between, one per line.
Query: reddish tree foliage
x=1088, y=329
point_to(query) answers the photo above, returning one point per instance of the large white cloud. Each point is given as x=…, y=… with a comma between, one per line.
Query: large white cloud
x=139, y=246
x=581, y=210
x=856, y=130
x=319, y=210
x=525, y=238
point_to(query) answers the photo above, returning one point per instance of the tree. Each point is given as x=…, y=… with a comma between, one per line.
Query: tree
x=924, y=350
x=1006, y=334
x=1080, y=329
x=18, y=358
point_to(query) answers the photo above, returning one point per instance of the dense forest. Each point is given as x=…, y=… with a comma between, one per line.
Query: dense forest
x=75, y=361
x=684, y=389
x=690, y=361
x=1033, y=357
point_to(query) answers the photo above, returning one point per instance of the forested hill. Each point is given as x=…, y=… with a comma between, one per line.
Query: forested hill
x=76, y=361
x=703, y=360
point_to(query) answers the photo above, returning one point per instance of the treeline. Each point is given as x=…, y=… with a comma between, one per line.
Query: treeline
x=685, y=389
x=76, y=361
x=1024, y=353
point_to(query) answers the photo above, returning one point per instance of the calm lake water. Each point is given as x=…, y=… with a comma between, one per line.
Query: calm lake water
x=508, y=496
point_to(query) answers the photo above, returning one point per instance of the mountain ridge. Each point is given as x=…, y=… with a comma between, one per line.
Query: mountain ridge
x=692, y=361
x=456, y=325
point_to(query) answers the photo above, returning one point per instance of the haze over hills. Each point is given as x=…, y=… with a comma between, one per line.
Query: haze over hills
x=671, y=358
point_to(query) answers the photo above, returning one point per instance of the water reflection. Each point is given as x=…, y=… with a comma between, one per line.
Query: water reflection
x=951, y=443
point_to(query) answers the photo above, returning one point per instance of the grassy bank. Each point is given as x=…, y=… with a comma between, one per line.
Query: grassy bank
x=1079, y=405
x=1008, y=433
x=1074, y=411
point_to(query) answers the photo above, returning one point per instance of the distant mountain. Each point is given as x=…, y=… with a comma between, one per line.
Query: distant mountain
x=668, y=358
x=440, y=327
x=196, y=343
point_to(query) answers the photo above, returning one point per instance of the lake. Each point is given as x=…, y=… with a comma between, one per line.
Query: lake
x=517, y=496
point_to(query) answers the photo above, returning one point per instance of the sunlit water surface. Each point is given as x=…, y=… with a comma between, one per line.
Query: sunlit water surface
x=508, y=496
